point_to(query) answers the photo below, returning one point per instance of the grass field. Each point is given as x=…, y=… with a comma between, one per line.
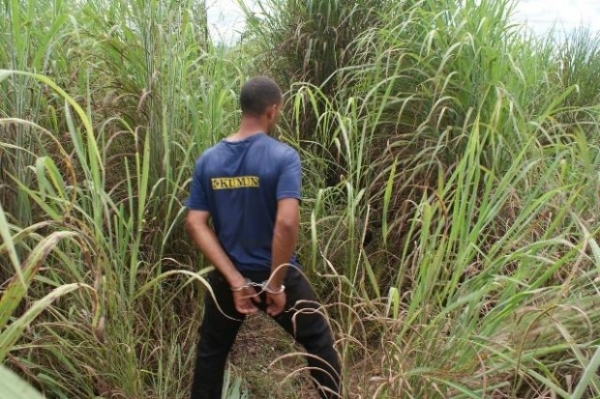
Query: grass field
x=451, y=214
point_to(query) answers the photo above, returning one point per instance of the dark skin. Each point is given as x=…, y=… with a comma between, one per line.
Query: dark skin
x=285, y=233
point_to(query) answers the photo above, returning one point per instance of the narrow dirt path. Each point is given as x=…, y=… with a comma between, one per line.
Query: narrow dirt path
x=256, y=356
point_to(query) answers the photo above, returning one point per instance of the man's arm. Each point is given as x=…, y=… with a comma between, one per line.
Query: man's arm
x=206, y=240
x=285, y=232
x=285, y=236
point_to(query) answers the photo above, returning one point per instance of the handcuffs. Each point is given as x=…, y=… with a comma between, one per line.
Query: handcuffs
x=264, y=286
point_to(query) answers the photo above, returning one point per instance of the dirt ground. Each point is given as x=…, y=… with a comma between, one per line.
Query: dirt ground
x=258, y=356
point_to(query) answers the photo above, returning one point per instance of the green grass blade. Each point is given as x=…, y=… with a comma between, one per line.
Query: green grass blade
x=589, y=375
x=17, y=288
x=10, y=335
x=13, y=387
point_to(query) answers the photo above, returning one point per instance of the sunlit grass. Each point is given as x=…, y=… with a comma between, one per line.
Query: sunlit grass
x=105, y=178
x=459, y=159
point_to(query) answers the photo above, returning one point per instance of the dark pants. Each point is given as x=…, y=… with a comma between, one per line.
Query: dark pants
x=303, y=322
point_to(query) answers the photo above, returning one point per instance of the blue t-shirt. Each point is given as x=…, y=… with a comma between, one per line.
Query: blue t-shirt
x=239, y=184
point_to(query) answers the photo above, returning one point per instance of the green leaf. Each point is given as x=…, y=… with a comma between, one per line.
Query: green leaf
x=17, y=288
x=14, y=387
x=8, y=243
x=386, y=201
x=11, y=334
x=589, y=376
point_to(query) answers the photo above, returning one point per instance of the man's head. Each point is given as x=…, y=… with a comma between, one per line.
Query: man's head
x=261, y=99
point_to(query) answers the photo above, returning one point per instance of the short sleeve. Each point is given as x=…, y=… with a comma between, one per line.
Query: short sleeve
x=198, y=200
x=289, y=183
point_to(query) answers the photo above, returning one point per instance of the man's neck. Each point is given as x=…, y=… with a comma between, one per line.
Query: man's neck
x=248, y=127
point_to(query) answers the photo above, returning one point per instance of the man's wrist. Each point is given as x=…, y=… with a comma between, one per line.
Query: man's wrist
x=277, y=276
x=236, y=281
x=241, y=287
x=274, y=289
x=275, y=283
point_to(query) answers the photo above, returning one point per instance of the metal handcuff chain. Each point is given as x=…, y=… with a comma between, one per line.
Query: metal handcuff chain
x=264, y=286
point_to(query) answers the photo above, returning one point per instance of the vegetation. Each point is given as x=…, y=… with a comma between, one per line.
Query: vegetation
x=15, y=387
x=451, y=214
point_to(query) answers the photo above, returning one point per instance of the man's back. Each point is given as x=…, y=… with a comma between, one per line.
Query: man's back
x=239, y=183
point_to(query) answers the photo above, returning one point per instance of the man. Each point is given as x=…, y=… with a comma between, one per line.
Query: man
x=249, y=186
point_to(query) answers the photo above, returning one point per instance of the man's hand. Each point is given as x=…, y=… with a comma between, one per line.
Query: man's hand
x=276, y=303
x=244, y=300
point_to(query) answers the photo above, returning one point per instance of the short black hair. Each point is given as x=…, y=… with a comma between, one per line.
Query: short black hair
x=258, y=94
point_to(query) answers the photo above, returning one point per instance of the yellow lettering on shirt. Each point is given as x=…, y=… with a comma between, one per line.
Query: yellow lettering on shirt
x=229, y=183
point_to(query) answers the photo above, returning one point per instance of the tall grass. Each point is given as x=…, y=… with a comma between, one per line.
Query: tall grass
x=25, y=47
x=105, y=164
x=459, y=157
x=456, y=250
